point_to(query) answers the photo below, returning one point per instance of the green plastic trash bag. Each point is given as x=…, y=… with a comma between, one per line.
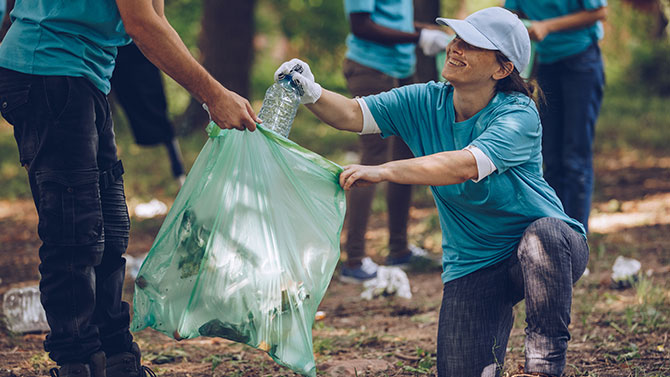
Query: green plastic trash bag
x=248, y=248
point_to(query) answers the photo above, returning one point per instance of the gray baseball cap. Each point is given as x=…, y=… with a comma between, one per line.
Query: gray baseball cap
x=494, y=29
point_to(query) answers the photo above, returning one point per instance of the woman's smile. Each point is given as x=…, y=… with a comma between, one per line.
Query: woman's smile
x=456, y=63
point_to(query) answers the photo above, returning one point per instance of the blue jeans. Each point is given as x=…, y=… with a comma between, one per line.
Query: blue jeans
x=476, y=316
x=574, y=90
x=64, y=132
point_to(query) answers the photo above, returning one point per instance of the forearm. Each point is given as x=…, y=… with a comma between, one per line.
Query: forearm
x=160, y=43
x=338, y=111
x=445, y=168
x=576, y=20
x=363, y=27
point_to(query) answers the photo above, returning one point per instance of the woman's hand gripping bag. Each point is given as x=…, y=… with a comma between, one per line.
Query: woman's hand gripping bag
x=248, y=248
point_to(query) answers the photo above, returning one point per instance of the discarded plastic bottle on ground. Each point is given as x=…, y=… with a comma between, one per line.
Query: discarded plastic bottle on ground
x=23, y=310
x=280, y=105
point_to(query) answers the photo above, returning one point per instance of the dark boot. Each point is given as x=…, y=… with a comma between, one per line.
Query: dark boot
x=128, y=364
x=95, y=368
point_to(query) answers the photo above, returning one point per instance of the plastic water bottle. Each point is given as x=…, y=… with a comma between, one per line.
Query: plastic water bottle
x=23, y=310
x=280, y=105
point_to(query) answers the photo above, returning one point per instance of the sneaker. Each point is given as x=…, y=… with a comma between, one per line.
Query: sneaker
x=358, y=275
x=416, y=259
x=128, y=364
x=95, y=368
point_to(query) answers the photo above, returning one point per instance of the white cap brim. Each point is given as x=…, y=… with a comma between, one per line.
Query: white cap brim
x=467, y=32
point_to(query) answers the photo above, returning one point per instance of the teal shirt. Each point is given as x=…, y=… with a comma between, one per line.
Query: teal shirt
x=64, y=38
x=397, y=60
x=482, y=223
x=562, y=44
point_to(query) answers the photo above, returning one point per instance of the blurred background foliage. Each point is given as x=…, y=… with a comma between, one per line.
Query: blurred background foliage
x=634, y=115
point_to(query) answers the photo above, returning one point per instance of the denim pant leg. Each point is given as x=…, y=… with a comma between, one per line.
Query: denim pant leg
x=551, y=114
x=62, y=126
x=112, y=315
x=574, y=89
x=476, y=315
x=551, y=258
x=476, y=319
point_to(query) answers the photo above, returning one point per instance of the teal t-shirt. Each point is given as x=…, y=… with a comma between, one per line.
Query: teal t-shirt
x=397, y=60
x=64, y=38
x=482, y=223
x=562, y=44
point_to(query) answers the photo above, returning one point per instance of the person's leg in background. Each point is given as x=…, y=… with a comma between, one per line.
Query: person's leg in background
x=551, y=114
x=550, y=258
x=362, y=81
x=398, y=202
x=137, y=86
x=582, y=81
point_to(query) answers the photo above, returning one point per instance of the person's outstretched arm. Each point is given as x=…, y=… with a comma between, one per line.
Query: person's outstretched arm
x=145, y=22
x=343, y=113
x=338, y=111
x=332, y=108
x=439, y=169
x=430, y=38
x=363, y=27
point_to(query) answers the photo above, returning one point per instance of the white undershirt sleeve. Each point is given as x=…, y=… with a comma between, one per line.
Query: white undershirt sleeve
x=484, y=164
x=369, y=124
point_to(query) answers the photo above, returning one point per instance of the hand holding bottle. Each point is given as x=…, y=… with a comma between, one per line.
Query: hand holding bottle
x=303, y=78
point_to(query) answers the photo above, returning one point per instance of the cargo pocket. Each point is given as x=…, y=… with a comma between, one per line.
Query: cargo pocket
x=70, y=212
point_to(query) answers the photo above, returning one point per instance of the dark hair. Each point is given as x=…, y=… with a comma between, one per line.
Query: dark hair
x=515, y=83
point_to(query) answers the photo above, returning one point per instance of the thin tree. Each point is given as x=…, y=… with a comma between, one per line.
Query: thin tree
x=226, y=48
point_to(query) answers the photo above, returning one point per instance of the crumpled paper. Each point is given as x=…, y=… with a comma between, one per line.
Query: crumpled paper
x=389, y=281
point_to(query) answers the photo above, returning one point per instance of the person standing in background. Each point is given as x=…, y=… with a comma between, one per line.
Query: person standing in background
x=381, y=56
x=137, y=86
x=571, y=75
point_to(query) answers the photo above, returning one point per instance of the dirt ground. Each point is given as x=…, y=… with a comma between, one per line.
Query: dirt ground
x=614, y=332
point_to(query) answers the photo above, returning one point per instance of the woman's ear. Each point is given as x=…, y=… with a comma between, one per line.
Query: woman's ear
x=505, y=69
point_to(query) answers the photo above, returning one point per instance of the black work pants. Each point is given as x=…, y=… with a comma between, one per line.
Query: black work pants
x=64, y=131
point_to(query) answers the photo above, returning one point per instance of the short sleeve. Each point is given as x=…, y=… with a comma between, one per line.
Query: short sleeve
x=359, y=6
x=512, y=4
x=512, y=137
x=399, y=111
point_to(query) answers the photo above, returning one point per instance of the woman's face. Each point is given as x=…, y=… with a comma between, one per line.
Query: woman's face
x=469, y=65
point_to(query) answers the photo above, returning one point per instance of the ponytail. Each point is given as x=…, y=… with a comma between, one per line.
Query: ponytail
x=515, y=83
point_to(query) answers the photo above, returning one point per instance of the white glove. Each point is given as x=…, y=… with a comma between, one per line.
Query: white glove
x=433, y=41
x=302, y=76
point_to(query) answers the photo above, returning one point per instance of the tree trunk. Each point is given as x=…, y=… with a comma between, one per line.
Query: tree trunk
x=426, y=11
x=226, y=49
